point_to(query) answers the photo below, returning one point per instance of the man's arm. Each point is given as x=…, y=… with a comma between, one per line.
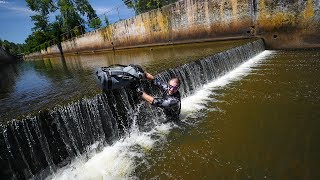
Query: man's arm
x=159, y=102
x=147, y=97
x=143, y=94
x=165, y=103
x=156, y=82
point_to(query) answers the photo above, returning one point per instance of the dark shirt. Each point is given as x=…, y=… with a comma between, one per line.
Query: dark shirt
x=171, y=104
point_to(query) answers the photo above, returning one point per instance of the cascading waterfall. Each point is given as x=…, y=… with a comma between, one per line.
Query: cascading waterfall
x=54, y=137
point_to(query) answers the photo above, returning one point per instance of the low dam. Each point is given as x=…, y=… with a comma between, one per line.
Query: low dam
x=250, y=103
x=53, y=137
x=116, y=135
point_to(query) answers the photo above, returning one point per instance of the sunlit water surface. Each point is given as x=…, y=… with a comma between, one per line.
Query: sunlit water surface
x=262, y=124
x=168, y=150
x=36, y=84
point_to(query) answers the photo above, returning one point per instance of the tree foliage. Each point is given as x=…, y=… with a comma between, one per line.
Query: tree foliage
x=95, y=23
x=11, y=47
x=43, y=7
x=56, y=29
x=106, y=20
x=40, y=22
x=68, y=23
x=142, y=6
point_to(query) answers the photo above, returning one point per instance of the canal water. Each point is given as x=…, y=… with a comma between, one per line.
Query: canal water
x=247, y=113
x=259, y=121
x=30, y=86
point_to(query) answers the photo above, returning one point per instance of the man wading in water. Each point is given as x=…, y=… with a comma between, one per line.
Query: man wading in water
x=170, y=101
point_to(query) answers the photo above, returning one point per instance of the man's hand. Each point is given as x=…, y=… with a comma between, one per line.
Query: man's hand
x=149, y=76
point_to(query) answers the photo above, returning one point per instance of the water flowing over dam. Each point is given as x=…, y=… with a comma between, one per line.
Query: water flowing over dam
x=249, y=73
x=53, y=138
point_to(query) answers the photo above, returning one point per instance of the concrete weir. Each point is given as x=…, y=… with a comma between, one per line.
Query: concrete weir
x=39, y=145
x=282, y=24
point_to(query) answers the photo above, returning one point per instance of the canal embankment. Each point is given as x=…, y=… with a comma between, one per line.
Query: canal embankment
x=282, y=25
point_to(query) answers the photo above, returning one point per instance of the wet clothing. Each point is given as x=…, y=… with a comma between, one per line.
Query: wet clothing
x=171, y=104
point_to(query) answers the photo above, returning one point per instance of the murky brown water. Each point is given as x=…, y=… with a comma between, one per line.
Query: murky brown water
x=33, y=85
x=264, y=126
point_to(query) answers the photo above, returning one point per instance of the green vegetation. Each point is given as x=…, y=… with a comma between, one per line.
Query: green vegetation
x=142, y=6
x=11, y=47
x=68, y=23
x=106, y=20
x=72, y=16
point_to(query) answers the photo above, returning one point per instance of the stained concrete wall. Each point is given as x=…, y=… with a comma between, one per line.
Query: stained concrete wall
x=288, y=23
x=281, y=23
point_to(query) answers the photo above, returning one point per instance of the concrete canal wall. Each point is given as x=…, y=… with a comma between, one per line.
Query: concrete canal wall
x=281, y=23
x=288, y=23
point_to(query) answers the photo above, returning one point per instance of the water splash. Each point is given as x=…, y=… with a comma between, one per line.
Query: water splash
x=76, y=132
x=120, y=160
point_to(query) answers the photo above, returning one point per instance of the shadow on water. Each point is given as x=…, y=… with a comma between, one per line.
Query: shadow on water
x=8, y=76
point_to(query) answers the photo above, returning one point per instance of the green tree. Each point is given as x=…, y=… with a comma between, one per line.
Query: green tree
x=56, y=29
x=12, y=48
x=106, y=20
x=86, y=9
x=68, y=23
x=141, y=6
x=42, y=8
x=95, y=23
x=34, y=41
x=41, y=29
x=40, y=22
x=69, y=15
x=71, y=12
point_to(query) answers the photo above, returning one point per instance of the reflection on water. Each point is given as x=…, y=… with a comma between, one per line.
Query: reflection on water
x=36, y=84
x=8, y=75
x=264, y=126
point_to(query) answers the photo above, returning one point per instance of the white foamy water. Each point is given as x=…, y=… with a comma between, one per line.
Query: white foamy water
x=199, y=99
x=118, y=161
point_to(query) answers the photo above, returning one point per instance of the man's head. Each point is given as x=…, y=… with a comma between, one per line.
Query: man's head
x=173, y=85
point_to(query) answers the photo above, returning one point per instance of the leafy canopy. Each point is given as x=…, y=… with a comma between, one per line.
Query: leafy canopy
x=142, y=6
x=68, y=23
